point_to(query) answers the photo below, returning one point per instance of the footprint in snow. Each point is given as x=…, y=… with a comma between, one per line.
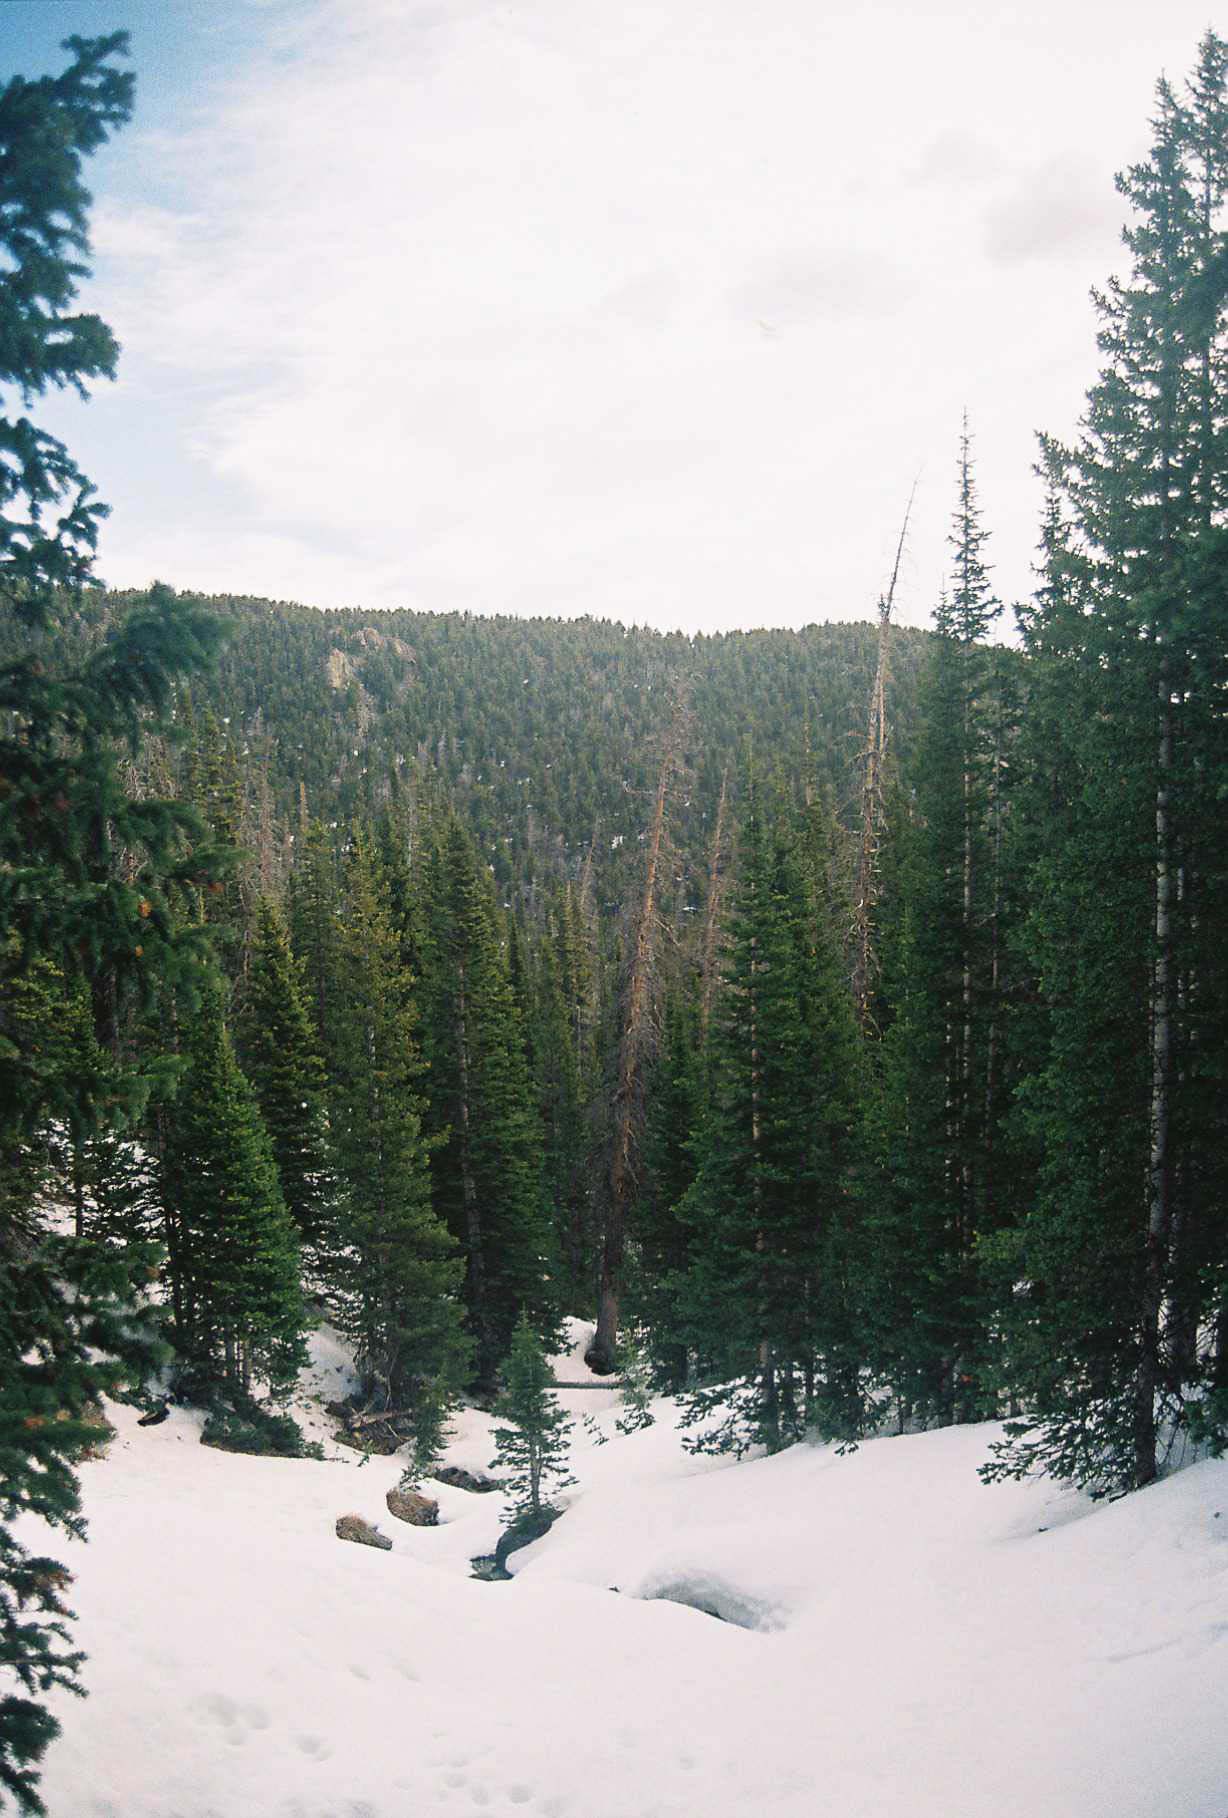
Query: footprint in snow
x=235, y=1718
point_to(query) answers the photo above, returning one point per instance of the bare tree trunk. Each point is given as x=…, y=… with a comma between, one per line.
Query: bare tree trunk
x=995, y=970
x=1182, y=1315
x=635, y=1050
x=266, y=837
x=716, y=891
x=469, y=1193
x=865, y=885
x=1159, y=1194
x=963, y=1090
x=78, y=1183
x=769, y=1410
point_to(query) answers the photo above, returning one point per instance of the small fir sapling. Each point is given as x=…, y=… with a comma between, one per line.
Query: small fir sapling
x=593, y=1429
x=428, y=1435
x=635, y=1411
x=531, y=1447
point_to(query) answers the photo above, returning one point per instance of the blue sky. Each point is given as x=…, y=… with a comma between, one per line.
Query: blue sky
x=652, y=311
x=180, y=52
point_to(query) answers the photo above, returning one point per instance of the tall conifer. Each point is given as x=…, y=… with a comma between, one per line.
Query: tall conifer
x=945, y=932
x=487, y=1166
x=314, y=911
x=767, y=1287
x=394, y=1272
x=281, y=1058
x=234, y=1251
x=1124, y=1250
x=88, y=873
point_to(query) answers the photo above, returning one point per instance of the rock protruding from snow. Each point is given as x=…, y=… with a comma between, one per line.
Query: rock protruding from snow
x=714, y=1597
x=408, y=1505
x=522, y=1533
x=459, y=1479
x=358, y=1529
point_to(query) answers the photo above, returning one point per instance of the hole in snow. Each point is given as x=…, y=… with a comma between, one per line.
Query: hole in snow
x=712, y=1596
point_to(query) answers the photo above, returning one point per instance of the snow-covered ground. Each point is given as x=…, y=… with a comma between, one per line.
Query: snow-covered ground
x=916, y=1646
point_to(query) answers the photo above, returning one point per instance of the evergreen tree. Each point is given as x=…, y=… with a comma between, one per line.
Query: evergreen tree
x=915, y=1299
x=562, y=1097
x=946, y=929
x=69, y=1334
x=238, y=1307
x=662, y=1235
x=531, y=1446
x=1124, y=1253
x=281, y=1058
x=767, y=1288
x=122, y=1198
x=635, y=1388
x=395, y=1274
x=214, y=786
x=487, y=1166
x=67, y=710
x=314, y=912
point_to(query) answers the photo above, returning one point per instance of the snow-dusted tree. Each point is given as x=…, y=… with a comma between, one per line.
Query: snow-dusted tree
x=531, y=1445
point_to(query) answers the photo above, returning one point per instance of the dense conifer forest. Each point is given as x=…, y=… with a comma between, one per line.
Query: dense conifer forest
x=838, y=1018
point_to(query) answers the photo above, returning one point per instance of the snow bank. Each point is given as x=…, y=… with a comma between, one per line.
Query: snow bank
x=918, y=1646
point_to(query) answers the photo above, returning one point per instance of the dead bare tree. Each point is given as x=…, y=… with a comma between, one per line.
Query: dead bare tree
x=865, y=881
x=717, y=868
x=636, y=1049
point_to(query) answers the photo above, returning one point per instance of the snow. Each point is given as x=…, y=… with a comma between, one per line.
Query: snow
x=898, y=1641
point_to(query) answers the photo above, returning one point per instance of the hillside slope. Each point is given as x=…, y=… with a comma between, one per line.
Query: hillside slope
x=546, y=735
x=917, y=1646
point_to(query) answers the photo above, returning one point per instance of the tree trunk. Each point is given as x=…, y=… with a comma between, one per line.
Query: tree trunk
x=486, y=1364
x=988, y=1145
x=1159, y=1195
x=712, y=915
x=634, y=1052
x=865, y=888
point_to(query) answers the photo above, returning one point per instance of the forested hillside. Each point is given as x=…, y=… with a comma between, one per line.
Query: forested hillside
x=544, y=735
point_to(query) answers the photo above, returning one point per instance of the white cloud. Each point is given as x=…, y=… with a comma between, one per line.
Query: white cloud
x=1058, y=209
x=956, y=156
x=635, y=309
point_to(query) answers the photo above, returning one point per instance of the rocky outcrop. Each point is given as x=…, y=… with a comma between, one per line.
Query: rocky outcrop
x=410, y=1506
x=359, y=1530
x=371, y=639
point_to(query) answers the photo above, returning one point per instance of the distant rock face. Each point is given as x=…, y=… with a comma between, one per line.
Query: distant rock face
x=408, y=1505
x=356, y=1528
x=459, y=1479
x=371, y=639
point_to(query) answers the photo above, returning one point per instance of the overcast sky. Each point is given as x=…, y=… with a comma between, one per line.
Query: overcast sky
x=650, y=311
